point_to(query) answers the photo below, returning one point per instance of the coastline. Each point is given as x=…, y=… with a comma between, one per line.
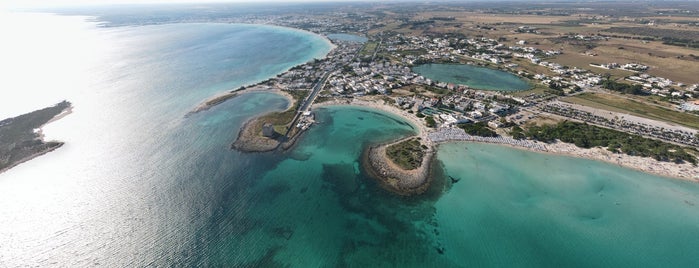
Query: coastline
x=55, y=146
x=327, y=40
x=685, y=171
x=376, y=162
x=249, y=141
x=258, y=86
x=49, y=145
x=380, y=105
x=223, y=97
x=393, y=177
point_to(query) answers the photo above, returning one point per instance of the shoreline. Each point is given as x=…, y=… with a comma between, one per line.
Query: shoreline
x=258, y=86
x=32, y=156
x=248, y=140
x=670, y=170
x=412, y=182
x=225, y=96
x=393, y=177
x=648, y=165
x=685, y=171
x=51, y=145
x=376, y=162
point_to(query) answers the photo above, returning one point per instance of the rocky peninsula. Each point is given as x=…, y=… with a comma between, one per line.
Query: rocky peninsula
x=392, y=174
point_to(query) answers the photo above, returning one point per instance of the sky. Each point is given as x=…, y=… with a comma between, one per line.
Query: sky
x=60, y=3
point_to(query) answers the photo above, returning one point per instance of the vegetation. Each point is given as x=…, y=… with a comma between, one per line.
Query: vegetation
x=281, y=120
x=437, y=90
x=623, y=88
x=673, y=37
x=369, y=48
x=407, y=154
x=517, y=133
x=588, y=136
x=429, y=121
x=478, y=129
x=18, y=141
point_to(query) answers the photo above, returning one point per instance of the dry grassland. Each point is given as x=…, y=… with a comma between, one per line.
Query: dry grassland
x=624, y=105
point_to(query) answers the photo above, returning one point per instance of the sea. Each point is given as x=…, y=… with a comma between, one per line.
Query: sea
x=140, y=183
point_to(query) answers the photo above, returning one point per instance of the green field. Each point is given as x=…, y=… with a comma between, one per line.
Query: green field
x=369, y=48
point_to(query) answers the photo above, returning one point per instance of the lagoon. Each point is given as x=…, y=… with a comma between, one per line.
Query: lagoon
x=347, y=37
x=472, y=76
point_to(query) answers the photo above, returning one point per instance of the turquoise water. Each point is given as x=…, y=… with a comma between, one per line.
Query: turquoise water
x=524, y=209
x=139, y=184
x=472, y=76
x=347, y=37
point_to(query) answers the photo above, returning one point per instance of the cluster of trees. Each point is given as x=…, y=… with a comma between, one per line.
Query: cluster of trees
x=681, y=42
x=588, y=136
x=478, y=129
x=429, y=121
x=623, y=88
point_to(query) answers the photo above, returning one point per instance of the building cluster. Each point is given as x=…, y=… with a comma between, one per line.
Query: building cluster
x=345, y=72
x=361, y=78
x=331, y=23
x=415, y=50
x=627, y=67
x=463, y=107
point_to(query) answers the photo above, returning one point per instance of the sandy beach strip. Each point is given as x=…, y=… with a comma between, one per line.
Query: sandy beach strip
x=222, y=97
x=379, y=104
x=685, y=171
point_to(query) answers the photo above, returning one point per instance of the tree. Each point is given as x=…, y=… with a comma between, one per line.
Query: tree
x=430, y=121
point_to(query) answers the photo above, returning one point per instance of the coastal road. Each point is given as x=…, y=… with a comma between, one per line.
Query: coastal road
x=311, y=98
x=316, y=89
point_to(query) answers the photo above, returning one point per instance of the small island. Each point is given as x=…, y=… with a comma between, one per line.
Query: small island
x=21, y=139
x=401, y=167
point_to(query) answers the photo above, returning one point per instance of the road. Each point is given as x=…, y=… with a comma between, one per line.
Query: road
x=316, y=89
x=311, y=97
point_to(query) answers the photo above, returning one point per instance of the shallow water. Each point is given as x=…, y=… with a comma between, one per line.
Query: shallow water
x=472, y=76
x=538, y=210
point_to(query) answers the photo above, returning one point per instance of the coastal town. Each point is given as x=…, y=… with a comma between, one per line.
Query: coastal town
x=350, y=133
x=379, y=67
